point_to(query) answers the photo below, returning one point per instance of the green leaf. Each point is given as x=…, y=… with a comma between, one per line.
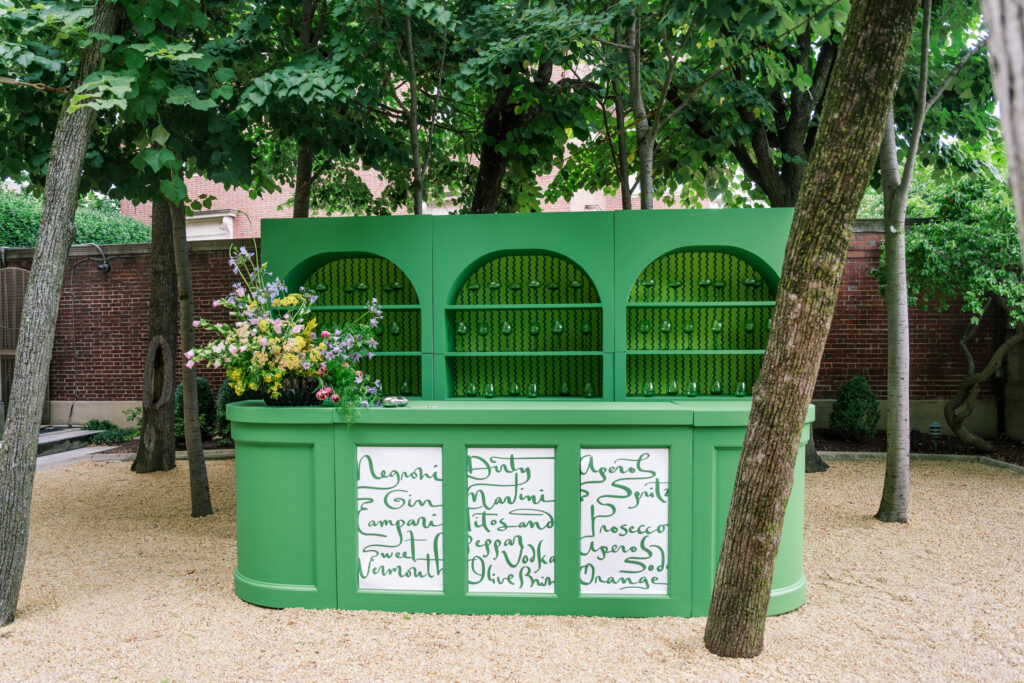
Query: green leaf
x=160, y=135
x=174, y=190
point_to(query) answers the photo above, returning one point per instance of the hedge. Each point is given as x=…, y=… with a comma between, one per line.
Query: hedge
x=20, y=214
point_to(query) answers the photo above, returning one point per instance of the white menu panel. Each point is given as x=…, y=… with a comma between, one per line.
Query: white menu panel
x=511, y=500
x=624, y=521
x=399, y=518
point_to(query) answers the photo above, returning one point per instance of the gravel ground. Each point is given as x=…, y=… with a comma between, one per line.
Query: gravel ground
x=122, y=583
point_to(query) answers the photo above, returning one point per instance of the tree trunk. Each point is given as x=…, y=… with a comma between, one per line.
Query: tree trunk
x=1005, y=21
x=493, y=164
x=961, y=406
x=198, y=484
x=35, y=340
x=644, y=133
x=896, y=489
x=812, y=461
x=869, y=63
x=412, y=119
x=156, y=442
x=303, y=180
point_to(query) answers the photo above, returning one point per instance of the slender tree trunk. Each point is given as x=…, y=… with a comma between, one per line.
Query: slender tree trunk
x=303, y=180
x=35, y=340
x=1005, y=21
x=961, y=406
x=644, y=132
x=198, y=484
x=625, y=190
x=304, y=153
x=896, y=489
x=869, y=63
x=414, y=127
x=156, y=443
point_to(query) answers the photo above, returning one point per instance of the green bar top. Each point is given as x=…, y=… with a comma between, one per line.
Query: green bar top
x=697, y=412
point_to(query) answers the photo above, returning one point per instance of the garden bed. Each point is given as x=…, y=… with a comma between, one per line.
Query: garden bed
x=1007, y=450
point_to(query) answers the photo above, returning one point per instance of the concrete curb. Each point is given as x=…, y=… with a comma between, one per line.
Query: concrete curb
x=211, y=454
x=837, y=456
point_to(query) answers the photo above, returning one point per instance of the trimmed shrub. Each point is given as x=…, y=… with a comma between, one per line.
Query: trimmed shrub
x=855, y=412
x=226, y=395
x=207, y=408
x=95, y=221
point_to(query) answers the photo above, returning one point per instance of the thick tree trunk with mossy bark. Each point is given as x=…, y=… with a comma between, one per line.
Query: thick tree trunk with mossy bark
x=39, y=320
x=1005, y=22
x=156, y=439
x=867, y=67
x=198, y=483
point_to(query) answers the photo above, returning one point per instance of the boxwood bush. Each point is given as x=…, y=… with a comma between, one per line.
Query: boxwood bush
x=855, y=413
x=97, y=220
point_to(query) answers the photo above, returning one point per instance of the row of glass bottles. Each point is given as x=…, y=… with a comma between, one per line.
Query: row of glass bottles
x=710, y=290
x=483, y=329
x=717, y=328
x=359, y=290
x=715, y=388
x=532, y=390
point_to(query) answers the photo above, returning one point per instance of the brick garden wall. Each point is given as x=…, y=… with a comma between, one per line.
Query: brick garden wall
x=100, y=344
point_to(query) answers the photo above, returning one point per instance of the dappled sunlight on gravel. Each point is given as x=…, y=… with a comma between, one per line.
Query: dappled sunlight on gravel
x=121, y=582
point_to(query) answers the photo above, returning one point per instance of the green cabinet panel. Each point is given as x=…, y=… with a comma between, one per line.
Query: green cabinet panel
x=303, y=541
x=348, y=261
x=284, y=506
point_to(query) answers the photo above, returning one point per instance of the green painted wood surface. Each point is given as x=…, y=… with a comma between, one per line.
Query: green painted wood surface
x=297, y=507
x=512, y=287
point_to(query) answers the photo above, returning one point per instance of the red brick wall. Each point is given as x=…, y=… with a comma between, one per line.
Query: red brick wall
x=100, y=345
x=857, y=339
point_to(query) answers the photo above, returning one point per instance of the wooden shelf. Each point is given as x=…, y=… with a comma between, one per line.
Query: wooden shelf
x=700, y=304
x=695, y=352
x=525, y=354
x=505, y=307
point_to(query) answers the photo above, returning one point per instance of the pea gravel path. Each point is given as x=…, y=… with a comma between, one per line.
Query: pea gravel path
x=122, y=583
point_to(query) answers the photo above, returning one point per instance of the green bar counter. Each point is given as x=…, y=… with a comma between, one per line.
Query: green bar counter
x=496, y=507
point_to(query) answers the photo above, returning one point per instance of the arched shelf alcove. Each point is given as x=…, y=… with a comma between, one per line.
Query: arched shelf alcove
x=344, y=284
x=524, y=325
x=697, y=324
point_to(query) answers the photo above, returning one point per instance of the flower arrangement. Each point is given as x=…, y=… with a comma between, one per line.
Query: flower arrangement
x=274, y=345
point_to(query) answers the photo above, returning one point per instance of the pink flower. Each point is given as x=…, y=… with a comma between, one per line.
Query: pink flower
x=323, y=393
x=264, y=341
x=297, y=329
x=335, y=398
x=191, y=364
x=216, y=302
x=232, y=349
x=359, y=377
x=190, y=353
x=195, y=323
x=325, y=334
x=240, y=292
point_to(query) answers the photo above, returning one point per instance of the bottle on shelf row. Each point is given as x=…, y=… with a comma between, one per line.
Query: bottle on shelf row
x=715, y=388
x=514, y=389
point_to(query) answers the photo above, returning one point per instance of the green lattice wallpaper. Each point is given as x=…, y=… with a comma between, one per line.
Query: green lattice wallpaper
x=717, y=327
x=525, y=329
x=354, y=280
x=527, y=279
x=704, y=276
x=398, y=375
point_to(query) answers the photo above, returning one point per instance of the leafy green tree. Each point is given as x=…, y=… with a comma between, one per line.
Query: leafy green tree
x=943, y=58
x=56, y=232
x=971, y=256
